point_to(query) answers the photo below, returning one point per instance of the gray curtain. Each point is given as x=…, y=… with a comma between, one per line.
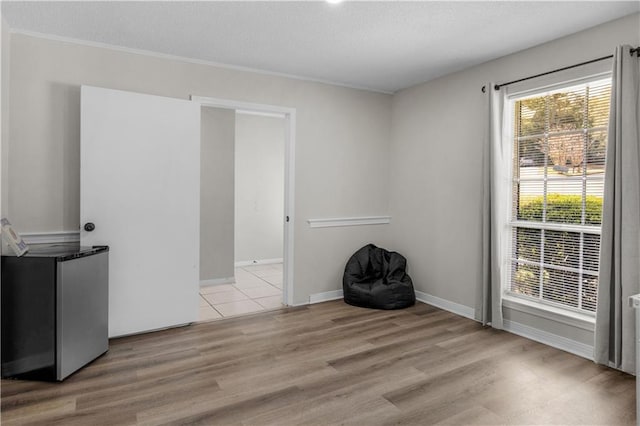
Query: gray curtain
x=495, y=183
x=620, y=245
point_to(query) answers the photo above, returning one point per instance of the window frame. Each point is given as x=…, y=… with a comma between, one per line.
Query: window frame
x=511, y=223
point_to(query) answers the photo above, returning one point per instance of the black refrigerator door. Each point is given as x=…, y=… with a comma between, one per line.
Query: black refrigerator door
x=28, y=314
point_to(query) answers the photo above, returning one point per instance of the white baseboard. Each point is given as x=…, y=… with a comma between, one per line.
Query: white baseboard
x=325, y=297
x=217, y=281
x=453, y=307
x=258, y=262
x=298, y=304
x=456, y=308
x=550, y=339
x=51, y=237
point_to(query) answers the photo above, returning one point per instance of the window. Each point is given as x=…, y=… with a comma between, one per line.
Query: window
x=559, y=146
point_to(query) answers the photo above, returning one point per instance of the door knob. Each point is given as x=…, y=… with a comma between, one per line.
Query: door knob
x=89, y=226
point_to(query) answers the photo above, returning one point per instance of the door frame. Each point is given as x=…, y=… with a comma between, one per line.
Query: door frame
x=289, y=114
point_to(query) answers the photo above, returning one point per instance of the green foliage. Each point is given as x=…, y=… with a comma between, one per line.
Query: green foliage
x=561, y=249
x=562, y=208
x=526, y=280
x=548, y=132
x=568, y=110
x=560, y=112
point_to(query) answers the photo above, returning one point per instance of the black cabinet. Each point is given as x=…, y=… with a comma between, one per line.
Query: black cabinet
x=54, y=310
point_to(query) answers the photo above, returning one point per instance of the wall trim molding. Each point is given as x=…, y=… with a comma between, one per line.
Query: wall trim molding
x=217, y=281
x=258, y=262
x=550, y=339
x=456, y=308
x=51, y=237
x=325, y=296
x=349, y=221
x=153, y=54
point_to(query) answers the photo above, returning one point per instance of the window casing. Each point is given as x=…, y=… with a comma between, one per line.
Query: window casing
x=559, y=139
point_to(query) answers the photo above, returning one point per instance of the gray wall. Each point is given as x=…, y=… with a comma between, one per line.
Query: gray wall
x=216, y=193
x=4, y=107
x=342, y=136
x=259, y=187
x=436, y=158
x=426, y=173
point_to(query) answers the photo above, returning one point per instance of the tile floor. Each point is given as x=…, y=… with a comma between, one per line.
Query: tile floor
x=257, y=288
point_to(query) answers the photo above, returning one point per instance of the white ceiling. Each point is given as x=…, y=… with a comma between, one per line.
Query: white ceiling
x=383, y=46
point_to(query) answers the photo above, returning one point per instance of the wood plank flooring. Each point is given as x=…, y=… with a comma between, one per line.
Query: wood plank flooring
x=329, y=363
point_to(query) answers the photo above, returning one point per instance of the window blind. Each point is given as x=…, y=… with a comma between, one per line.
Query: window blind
x=559, y=147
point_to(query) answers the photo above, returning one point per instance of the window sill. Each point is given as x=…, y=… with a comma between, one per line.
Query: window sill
x=574, y=319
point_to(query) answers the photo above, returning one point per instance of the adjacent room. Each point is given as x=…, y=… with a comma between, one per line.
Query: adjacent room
x=242, y=239
x=320, y=212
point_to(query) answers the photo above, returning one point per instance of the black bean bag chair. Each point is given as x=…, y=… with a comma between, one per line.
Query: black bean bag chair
x=376, y=278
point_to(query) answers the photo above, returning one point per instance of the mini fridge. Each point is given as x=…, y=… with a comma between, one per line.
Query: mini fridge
x=54, y=310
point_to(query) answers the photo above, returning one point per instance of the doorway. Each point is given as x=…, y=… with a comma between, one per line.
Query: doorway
x=261, y=254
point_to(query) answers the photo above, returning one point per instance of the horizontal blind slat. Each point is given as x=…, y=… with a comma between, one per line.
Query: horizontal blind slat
x=560, y=142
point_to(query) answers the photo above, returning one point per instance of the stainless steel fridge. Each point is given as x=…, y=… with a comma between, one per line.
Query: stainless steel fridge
x=54, y=310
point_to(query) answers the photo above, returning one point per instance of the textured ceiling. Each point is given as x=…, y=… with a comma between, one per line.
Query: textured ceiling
x=384, y=46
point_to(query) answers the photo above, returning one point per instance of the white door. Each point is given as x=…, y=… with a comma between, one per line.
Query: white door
x=140, y=188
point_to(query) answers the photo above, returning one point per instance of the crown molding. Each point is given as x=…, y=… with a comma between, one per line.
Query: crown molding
x=167, y=56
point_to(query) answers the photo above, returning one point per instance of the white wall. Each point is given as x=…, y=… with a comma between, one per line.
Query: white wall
x=436, y=158
x=342, y=142
x=259, y=187
x=216, y=193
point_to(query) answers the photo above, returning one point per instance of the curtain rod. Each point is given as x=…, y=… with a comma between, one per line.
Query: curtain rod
x=498, y=86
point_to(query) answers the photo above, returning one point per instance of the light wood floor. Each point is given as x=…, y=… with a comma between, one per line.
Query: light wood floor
x=329, y=363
